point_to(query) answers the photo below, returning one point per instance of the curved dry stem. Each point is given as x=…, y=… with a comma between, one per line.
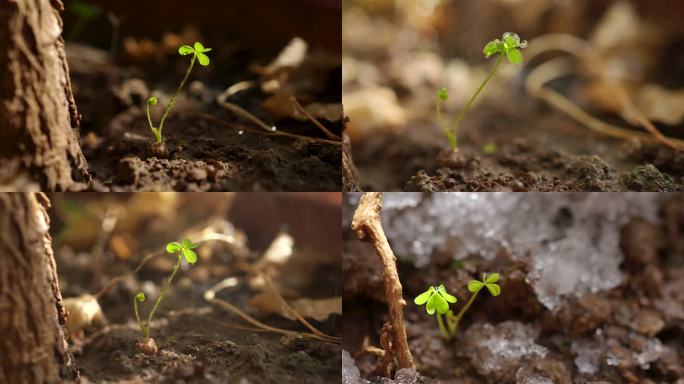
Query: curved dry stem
x=560, y=67
x=222, y=100
x=210, y=296
x=311, y=118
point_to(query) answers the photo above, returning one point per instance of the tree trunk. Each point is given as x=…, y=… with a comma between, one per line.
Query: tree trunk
x=33, y=347
x=38, y=117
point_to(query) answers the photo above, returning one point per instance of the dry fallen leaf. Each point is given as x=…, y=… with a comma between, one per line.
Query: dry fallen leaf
x=372, y=109
x=318, y=309
x=280, y=249
x=83, y=311
x=661, y=104
x=291, y=57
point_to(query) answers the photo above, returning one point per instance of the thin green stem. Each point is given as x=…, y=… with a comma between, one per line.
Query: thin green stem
x=173, y=99
x=442, y=327
x=144, y=329
x=443, y=124
x=155, y=132
x=454, y=320
x=460, y=116
x=163, y=292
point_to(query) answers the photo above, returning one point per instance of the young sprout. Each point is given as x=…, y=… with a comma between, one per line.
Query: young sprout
x=198, y=53
x=437, y=300
x=185, y=251
x=442, y=97
x=509, y=46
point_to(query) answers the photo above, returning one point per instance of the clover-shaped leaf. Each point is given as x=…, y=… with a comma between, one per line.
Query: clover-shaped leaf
x=186, y=50
x=186, y=248
x=198, y=50
x=437, y=299
x=475, y=286
x=200, y=53
x=510, y=44
x=494, y=46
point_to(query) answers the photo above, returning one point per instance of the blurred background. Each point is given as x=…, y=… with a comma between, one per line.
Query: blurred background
x=109, y=246
x=397, y=53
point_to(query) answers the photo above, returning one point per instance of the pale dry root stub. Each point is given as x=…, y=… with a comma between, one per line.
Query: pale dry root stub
x=33, y=346
x=368, y=227
x=147, y=346
x=39, y=122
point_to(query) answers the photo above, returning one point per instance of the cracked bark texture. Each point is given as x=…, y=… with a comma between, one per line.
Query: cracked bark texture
x=33, y=346
x=38, y=117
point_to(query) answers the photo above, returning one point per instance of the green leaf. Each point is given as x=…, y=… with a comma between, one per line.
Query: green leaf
x=494, y=289
x=511, y=40
x=206, y=50
x=443, y=94
x=203, y=59
x=173, y=247
x=186, y=50
x=187, y=243
x=475, y=285
x=492, y=278
x=441, y=305
x=442, y=291
x=514, y=56
x=494, y=46
x=423, y=297
x=199, y=47
x=140, y=297
x=152, y=101
x=190, y=256
x=430, y=307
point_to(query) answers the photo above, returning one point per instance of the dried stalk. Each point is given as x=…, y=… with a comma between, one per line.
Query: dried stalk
x=559, y=67
x=368, y=227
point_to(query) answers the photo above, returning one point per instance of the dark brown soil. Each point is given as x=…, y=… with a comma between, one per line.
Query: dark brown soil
x=536, y=150
x=196, y=346
x=207, y=152
x=198, y=342
x=648, y=303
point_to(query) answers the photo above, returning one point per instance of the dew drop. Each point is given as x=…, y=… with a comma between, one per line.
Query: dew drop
x=273, y=128
x=241, y=132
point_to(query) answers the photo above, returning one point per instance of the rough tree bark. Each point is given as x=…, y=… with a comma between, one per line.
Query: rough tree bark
x=33, y=347
x=38, y=117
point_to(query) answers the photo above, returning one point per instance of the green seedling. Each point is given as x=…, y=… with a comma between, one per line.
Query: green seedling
x=198, y=52
x=184, y=251
x=510, y=47
x=437, y=300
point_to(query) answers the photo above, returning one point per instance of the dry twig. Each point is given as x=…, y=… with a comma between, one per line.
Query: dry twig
x=368, y=227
